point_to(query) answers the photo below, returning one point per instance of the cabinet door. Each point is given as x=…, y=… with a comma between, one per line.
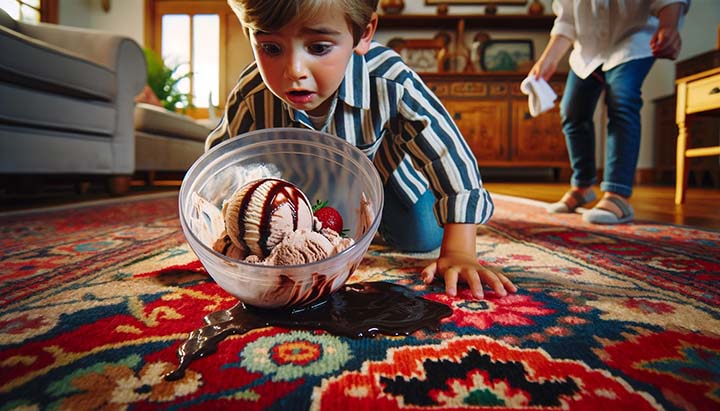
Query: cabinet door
x=484, y=125
x=539, y=138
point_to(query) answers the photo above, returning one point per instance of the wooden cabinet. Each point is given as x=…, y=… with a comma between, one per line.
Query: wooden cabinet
x=484, y=125
x=488, y=107
x=492, y=114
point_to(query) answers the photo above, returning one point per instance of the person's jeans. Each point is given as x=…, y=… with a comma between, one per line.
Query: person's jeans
x=413, y=229
x=623, y=98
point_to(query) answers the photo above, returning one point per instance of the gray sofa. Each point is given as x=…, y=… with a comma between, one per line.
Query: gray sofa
x=166, y=142
x=66, y=101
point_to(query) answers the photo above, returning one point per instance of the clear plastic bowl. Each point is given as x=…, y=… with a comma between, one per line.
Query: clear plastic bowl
x=325, y=167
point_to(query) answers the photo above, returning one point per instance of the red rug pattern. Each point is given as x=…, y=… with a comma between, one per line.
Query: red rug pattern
x=95, y=301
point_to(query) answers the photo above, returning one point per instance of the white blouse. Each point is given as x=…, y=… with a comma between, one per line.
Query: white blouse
x=607, y=33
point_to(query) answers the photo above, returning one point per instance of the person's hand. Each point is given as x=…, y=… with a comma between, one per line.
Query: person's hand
x=456, y=266
x=666, y=43
x=544, y=68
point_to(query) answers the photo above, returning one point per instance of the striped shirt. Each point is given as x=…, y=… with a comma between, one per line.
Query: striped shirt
x=383, y=108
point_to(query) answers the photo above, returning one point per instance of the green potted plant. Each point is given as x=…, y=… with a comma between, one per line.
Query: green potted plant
x=163, y=80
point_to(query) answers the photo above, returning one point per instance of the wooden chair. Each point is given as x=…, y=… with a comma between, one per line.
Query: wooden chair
x=696, y=93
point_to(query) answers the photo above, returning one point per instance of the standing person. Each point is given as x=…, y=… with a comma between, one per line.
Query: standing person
x=317, y=67
x=614, y=44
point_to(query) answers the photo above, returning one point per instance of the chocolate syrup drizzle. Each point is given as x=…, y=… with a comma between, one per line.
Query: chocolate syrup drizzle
x=357, y=310
x=269, y=207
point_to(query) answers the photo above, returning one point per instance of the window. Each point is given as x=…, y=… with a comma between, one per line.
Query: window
x=191, y=42
x=31, y=11
x=195, y=35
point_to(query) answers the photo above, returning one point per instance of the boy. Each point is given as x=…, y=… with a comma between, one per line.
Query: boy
x=317, y=67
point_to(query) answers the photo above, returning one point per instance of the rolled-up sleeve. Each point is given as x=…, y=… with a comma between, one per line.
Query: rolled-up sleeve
x=658, y=5
x=439, y=151
x=564, y=24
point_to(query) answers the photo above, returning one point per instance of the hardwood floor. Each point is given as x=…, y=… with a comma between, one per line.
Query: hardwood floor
x=651, y=203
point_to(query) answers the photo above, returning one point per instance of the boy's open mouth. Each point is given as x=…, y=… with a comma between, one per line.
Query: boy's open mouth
x=299, y=96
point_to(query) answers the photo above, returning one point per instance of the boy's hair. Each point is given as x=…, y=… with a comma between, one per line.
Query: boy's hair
x=271, y=15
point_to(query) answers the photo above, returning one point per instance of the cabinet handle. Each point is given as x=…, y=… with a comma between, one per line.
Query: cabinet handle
x=527, y=116
x=457, y=115
x=715, y=90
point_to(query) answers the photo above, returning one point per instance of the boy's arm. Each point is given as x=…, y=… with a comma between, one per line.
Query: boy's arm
x=432, y=139
x=458, y=260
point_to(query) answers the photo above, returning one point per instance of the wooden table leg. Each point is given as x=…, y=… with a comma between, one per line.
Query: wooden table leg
x=680, y=164
x=682, y=140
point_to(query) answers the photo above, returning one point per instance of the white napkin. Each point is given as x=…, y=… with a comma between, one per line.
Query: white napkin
x=541, y=96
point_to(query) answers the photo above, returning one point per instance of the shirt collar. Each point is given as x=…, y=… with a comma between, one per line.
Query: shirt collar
x=355, y=87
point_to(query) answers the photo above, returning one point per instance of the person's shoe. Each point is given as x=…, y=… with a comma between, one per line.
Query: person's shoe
x=570, y=201
x=603, y=212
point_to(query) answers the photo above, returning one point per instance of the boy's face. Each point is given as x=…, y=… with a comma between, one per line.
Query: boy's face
x=304, y=63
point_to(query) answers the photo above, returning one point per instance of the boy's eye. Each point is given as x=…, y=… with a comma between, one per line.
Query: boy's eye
x=270, y=49
x=319, y=48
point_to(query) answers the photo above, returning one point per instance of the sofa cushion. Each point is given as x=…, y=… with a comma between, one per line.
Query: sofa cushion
x=36, y=64
x=157, y=120
x=27, y=150
x=32, y=108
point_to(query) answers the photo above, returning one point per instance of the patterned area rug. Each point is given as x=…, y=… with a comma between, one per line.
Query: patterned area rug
x=95, y=301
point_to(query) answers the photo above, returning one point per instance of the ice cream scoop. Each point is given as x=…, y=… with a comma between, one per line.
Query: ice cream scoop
x=262, y=212
x=301, y=247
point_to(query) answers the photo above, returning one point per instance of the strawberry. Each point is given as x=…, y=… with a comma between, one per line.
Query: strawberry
x=328, y=216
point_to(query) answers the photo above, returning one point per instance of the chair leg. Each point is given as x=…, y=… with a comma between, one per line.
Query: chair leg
x=681, y=171
x=118, y=185
x=82, y=187
x=150, y=178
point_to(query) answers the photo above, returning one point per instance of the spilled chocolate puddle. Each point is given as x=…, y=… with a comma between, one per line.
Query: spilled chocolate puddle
x=356, y=310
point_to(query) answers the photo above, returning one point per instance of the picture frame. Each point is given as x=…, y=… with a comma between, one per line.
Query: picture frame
x=468, y=2
x=507, y=55
x=422, y=55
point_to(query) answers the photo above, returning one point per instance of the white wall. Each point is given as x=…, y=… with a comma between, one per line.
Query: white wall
x=124, y=17
x=699, y=35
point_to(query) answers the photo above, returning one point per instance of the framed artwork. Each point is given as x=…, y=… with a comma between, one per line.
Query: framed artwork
x=422, y=55
x=497, y=2
x=507, y=55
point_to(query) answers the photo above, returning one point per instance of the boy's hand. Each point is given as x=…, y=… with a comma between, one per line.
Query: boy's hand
x=454, y=266
x=458, y=261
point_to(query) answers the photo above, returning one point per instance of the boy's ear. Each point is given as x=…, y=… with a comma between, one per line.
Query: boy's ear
x=364, y=43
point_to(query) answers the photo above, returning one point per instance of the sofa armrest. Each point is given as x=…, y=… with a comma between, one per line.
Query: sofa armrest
x=100, y=47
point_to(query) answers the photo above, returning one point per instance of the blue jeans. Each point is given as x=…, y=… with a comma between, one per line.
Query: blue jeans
x=622, y=86
x=413, y=229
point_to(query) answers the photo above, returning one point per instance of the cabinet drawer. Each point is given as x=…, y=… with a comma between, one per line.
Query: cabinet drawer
x=468, y=89
x=703, y=94
x=440, y=89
